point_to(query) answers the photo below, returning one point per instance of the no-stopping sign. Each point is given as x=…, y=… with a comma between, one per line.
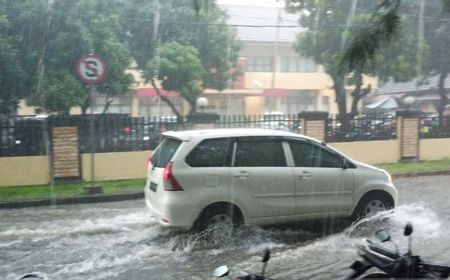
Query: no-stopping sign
x=91, y=69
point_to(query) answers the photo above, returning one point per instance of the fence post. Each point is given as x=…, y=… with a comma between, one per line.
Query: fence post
x=408, y=131
x=314, y=124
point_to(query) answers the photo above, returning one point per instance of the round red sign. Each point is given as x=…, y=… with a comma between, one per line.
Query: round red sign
x=91, y=69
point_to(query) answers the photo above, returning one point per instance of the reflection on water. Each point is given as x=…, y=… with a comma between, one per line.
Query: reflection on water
x=121, y=241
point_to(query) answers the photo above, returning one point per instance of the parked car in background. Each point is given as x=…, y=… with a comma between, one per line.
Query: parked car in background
x=275, y=120
x=198, y=179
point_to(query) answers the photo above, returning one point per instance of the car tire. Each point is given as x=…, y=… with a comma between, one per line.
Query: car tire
x=372, y=203
x=218, y=222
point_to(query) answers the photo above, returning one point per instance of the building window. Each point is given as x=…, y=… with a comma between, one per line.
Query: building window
x=297, y=101
x=260, y=64
x=325, y=103
x=297, y=64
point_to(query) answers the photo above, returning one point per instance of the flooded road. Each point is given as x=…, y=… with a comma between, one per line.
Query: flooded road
x=121, y=241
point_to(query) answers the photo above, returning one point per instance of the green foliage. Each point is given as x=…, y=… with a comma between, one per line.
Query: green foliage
x=179, y=69
x=54, y=36
x=11, y=72
x=199, y=24
x=61, y=93
x=437, y=38
x=352, y=41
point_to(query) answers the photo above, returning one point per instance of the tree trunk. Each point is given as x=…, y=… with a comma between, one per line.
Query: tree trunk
x=358, y=94
x=85, y=106
x=443, y=94
x=108, y=103
x=167, y=100
x=341, y=100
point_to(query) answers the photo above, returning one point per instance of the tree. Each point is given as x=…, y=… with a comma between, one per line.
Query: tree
x=11, y=72
x=433, y=49
x=349, y=39
x=55, y=34
x=364, y=51
x=196, y=23
x=437, y=60
x=179, y=69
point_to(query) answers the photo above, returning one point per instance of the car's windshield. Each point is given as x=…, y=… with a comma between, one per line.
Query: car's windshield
x=160, y=139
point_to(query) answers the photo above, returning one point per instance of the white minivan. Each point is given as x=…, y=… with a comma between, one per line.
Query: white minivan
x=200, y=178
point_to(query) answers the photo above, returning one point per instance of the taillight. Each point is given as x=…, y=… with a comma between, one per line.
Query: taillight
x=171, y=182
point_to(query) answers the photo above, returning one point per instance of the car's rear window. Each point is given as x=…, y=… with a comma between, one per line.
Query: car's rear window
x=165, y=151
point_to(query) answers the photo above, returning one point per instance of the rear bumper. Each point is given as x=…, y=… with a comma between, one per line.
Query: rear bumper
x=171, y=214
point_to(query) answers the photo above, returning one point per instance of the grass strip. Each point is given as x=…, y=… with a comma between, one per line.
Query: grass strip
x=416, y=166
x=21, y=193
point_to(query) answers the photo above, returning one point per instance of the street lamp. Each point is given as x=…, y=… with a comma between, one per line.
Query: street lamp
x=408, y=101
x=202, y=102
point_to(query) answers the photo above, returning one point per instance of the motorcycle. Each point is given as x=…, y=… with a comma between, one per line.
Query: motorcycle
x=223, y=271
x=392, y=264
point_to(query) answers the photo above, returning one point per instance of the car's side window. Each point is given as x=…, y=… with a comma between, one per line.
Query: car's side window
x=303, y=153
x=259, y=152
x=307, y=154
x=210, y=153
x=329, y=159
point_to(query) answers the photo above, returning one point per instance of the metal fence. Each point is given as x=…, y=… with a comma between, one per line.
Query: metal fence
x=361, y=129
x=21, y=137
x=435, y=127
x=277, y=122
x=27, y=136
x=114, y=133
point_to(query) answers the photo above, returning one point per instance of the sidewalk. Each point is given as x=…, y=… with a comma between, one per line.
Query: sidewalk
x=97, y=198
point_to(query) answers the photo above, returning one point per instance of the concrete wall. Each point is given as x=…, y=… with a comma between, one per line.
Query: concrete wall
x=434, y=149
x=116, y=166
x=21, y=171
x=34, y=170
x=371, y=152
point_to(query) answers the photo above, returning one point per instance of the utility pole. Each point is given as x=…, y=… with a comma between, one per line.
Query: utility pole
x=272, y=97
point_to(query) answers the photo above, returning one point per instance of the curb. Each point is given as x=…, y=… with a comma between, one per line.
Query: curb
x=420, y=174
x=72, y=200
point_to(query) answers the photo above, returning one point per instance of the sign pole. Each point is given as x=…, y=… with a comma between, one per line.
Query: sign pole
x=92, y=132
x=92, y=69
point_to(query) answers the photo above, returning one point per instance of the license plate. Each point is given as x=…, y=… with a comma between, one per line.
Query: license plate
x=153, y=186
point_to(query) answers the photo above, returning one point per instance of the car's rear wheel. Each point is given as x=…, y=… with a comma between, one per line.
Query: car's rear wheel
x=373, y=203
x=218, y=222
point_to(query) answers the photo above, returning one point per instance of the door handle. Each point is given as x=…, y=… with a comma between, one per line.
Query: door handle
x=304, y=175
x=242, y=175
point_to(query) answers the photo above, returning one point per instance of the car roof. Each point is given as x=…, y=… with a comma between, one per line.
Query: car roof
x=186, y=135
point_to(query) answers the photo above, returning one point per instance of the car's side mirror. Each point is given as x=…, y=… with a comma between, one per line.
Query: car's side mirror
x=382, y=235
x=408, y=229
x=221, y=271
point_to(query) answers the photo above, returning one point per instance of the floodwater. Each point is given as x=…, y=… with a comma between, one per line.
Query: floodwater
x=121, y=241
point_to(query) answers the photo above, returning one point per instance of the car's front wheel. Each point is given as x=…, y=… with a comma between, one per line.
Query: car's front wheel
x=373, y=203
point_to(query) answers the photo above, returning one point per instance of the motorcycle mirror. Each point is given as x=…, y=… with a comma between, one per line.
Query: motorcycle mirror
x=408, y=229
x=382, y=235
x=266, y=256
x=221, y=271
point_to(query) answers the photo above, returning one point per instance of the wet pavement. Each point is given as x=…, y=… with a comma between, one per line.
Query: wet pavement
x=121, y=241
